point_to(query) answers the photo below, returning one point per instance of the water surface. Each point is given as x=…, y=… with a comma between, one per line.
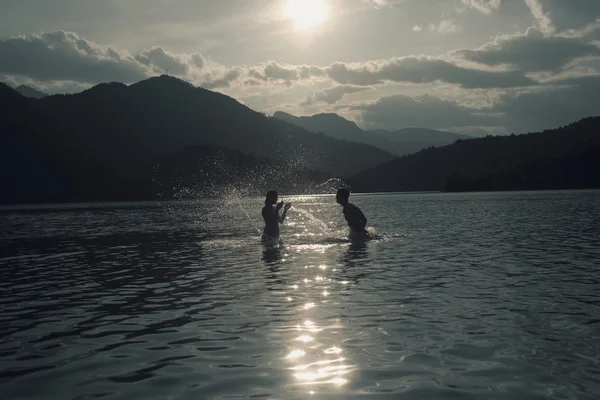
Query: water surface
x=460, y=296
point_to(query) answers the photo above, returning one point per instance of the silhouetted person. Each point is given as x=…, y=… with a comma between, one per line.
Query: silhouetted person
x=272, y=217
x=354, y=216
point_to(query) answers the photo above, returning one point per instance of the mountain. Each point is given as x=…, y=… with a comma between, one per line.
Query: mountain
x=58, y=147
x=402, y=142
x=467, y=160
x=578, y=171
x=422, y=136
x=330, y=124
x=28, y=91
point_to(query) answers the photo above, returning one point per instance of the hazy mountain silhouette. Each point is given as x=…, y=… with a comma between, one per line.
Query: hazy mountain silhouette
x=330, y=124
x=401, y=142
x=57, y=148
x=28, y=91
x=469, y=160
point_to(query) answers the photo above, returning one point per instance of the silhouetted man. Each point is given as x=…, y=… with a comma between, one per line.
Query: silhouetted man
x=354, y=217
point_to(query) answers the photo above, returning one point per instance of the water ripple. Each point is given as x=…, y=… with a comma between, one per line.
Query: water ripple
x=462, y=296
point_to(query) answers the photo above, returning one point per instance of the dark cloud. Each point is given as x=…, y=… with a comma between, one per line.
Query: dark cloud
x=224, y=82
x=567, y=101
x=158, y=58
x=275, y=71
x=400, y=111
x=572, y=14
x=65, y=56
x=531, y=51
x=555, y=105
x=426, y=70
x=361, y=76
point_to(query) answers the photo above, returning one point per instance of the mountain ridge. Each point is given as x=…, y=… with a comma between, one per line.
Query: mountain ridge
x=401, y=142
x=116, y=132
x=430, y=169
x=30, y=92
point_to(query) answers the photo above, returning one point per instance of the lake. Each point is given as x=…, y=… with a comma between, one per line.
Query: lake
x=459, y=296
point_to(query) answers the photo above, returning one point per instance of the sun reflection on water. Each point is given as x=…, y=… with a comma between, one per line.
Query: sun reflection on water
x=315, y=355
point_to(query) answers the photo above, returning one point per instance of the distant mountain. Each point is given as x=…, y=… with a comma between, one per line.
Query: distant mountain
x=115, y=133
x=466, y=161
x=330, y=124
x=402, y=142
x=30, y=92
x=422, y=136
x=579, y=171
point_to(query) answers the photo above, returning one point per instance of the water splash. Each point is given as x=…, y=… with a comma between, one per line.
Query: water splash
x=235, y=196
x=330, y=186
x=314, y=219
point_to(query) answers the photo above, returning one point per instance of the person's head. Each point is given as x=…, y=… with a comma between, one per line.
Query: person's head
x=342, y=196
x=271, y=198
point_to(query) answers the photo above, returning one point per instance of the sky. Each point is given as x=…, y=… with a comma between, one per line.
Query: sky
x=469, y=66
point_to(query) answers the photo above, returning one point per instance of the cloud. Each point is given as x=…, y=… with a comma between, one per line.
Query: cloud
x=510, y=71
x=400, y=111
x=225, y=81
x=424, y=70
x=176, y=64
x=275, y=71
x=331, y=95
x=564, y=102
x=446, y=26
x=536, y=109
x=360, y=75
x=531, y=51
x=484, y=6
x=572, y=14
x=542, y=20
x=65, y=56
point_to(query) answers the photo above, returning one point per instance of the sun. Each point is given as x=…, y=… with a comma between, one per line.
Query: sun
x=306, y=13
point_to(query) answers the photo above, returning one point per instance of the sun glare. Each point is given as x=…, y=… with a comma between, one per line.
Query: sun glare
x=306, y=13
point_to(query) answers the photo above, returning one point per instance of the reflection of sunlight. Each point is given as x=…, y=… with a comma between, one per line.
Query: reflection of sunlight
x=305, y=338
x=319, y=363
x=315, y=358
x=296, y=354
x=308, y=328
x=333, y=350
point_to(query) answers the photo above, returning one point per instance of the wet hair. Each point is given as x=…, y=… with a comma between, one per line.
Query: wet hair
x=271, y=197
x=344, y=193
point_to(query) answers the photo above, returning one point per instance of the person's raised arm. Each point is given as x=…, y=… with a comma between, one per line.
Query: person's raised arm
x=284, y=213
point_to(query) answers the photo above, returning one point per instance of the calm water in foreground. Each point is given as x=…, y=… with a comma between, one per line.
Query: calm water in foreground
x=461, y=296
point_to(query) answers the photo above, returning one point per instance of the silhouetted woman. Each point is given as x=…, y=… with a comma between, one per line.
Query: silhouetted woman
x=270, y=213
